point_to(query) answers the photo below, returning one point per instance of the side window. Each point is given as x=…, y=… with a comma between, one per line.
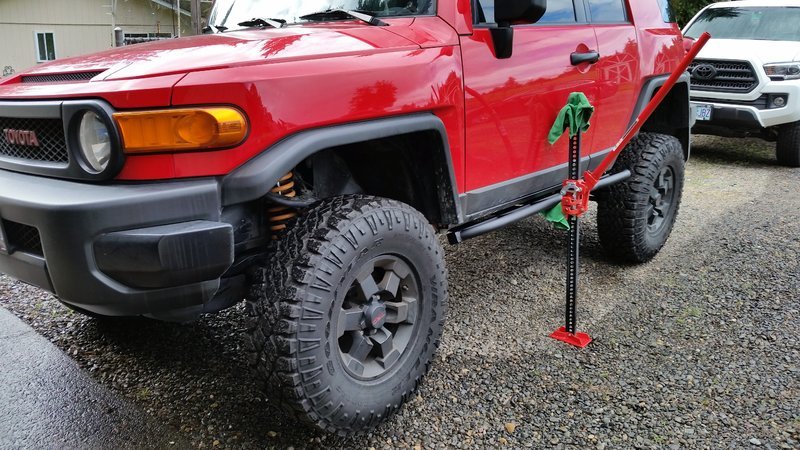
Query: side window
x=607, y=11
x=484, y=11
x=45, y=47
x=559, y=11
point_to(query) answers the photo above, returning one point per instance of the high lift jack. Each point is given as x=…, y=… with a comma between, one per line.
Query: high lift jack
x=575, y=196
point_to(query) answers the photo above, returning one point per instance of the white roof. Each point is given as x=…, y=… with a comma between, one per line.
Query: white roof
x=762, y=3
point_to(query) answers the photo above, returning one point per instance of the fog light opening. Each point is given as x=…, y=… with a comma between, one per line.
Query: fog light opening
x=778, y=101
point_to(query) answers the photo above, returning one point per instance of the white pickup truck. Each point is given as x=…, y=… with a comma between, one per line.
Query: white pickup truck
x=746, y=80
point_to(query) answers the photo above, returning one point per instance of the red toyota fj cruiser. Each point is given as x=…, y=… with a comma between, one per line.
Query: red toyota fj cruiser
x=302, y=155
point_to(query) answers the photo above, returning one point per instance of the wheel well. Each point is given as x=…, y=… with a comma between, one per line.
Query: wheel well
x=672, y=116
x=413, y=168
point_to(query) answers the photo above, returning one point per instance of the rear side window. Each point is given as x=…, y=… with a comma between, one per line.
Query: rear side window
x=606, y=11
x=666, y=11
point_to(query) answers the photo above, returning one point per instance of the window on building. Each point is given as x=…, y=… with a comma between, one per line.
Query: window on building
x=45, y=47
x=607, y=11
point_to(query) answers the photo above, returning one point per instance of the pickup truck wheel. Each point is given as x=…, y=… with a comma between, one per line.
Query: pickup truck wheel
x=635, y=217
x=346, y=315
x=787, y=150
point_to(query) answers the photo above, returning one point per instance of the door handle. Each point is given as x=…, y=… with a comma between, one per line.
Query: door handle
x=579, y=57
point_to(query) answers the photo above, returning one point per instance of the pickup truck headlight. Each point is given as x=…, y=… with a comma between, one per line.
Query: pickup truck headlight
x=172, y=130
x=95, y=142
x=783, y=71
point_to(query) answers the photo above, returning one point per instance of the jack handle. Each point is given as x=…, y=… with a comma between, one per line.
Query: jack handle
x=592, y=177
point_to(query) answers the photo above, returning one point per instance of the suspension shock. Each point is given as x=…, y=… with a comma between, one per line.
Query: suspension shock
x=279, y=216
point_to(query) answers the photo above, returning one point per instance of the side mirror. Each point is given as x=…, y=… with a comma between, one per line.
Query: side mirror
x=530, y=11
x=508, y=11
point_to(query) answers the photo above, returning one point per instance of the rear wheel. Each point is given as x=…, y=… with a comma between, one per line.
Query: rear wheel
x=635, y=217
x=347, y=314
x=787, y=149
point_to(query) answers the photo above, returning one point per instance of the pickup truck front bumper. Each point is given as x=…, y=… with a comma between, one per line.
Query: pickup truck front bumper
x=748, y=113
x=155, y=249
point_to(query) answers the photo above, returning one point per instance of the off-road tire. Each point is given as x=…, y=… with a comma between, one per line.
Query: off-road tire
x=296, y=296
x=625, y=210
x=787, y=150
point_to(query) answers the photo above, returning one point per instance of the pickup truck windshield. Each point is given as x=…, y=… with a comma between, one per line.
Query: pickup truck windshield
x=228, y=14
x=766, y=24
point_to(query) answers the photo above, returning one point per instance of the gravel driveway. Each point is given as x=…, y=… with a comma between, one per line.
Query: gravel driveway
x=697, y=349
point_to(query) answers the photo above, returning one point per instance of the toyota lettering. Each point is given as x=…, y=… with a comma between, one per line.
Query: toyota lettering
x=25, y=138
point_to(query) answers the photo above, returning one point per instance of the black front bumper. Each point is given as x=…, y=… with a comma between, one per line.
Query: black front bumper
x=155, y=249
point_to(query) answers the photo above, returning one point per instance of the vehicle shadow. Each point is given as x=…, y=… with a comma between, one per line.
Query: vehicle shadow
x=733, y=151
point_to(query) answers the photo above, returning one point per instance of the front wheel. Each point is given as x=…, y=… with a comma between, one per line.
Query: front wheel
x=348, y=312
x=635, y=217
x=787, y=150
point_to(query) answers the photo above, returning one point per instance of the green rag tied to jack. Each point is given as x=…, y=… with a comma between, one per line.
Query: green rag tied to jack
x=574, y=116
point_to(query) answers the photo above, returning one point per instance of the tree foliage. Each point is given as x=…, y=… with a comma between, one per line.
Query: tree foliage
x=686, y=9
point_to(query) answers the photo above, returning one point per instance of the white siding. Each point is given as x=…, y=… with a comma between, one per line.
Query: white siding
x=79, y=26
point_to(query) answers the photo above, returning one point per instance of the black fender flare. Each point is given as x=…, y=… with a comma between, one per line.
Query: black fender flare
x=255, y=178
x=649, y=89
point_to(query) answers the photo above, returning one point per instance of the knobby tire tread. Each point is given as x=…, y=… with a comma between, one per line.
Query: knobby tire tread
x=621, y=224
x=276, y=304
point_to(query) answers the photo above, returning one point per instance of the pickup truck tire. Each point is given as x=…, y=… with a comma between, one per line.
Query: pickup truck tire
x=787, y=150
x=346, y=315
x=635, y=217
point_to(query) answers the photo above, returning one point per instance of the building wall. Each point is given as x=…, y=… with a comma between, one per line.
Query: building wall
x=79, y=26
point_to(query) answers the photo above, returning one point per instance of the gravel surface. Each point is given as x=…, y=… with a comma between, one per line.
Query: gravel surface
x=697, y=349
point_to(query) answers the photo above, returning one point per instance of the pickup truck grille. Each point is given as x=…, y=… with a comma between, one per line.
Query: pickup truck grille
x=723, y=76
x=49, y=134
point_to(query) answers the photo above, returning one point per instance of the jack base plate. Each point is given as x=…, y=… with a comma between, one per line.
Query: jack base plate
x=579, y=340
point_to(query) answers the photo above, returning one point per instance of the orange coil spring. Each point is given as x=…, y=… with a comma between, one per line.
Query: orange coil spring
x=279, y=216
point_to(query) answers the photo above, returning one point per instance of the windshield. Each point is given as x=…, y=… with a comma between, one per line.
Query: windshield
x=767, y=23
x=227, y=14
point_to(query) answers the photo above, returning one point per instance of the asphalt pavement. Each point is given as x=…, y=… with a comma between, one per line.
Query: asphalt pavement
x=47, y=401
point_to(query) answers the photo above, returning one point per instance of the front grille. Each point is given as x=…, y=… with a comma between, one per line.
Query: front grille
x=49, y=133
x=727, y=76
x=23, y=238
x=60, y=77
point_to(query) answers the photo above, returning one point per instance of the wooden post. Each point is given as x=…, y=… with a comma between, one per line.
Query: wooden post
x=197, y=26
x=178, y=18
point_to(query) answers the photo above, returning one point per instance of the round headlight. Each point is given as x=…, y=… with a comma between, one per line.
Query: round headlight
x=95, y=141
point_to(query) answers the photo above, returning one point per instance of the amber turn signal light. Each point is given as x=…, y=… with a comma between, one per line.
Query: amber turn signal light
x=181, y=129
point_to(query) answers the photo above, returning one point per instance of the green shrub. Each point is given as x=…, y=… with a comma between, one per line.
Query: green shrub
x=686, y=9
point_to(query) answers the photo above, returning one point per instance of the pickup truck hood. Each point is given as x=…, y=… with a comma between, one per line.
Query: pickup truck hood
x=759, y=51
x=229, y=49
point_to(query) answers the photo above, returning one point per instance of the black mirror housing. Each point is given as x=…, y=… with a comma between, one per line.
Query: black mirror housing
x=529, y=11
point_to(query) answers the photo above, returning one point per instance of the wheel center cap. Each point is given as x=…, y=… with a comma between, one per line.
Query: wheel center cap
x=375, y=315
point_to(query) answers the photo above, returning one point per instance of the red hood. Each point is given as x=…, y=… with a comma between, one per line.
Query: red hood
x=229, y=49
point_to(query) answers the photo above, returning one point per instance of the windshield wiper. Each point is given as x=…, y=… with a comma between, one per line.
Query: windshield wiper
x=344, y=14
x=263, y=22
x=210, y=28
